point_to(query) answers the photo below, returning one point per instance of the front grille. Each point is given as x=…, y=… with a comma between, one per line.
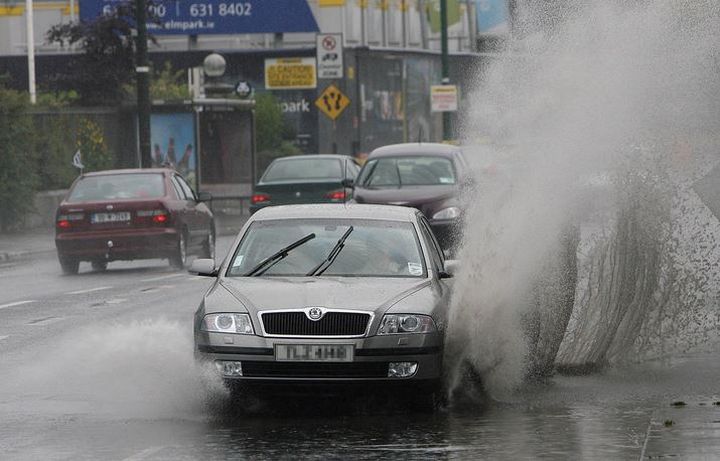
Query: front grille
x=332, y=324
x=315, y=370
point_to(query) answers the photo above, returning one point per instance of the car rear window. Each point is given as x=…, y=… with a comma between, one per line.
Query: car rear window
x=408, y=171
x=118, y=187
x=302, y=169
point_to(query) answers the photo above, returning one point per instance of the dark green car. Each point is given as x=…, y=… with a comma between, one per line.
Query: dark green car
x=305, y=179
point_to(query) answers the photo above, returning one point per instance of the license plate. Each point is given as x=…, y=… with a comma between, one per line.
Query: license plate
x=314, y=352
x=98, y=218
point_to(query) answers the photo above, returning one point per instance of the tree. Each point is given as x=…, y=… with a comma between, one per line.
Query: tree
x=166, y=84
x=271, y=131
x=17, y=175
x=107, y=61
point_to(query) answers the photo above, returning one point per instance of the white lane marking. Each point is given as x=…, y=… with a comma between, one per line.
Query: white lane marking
x=4, y=337
x=144, y=454
x=115, y=301
x=17, y=303
x=164, y=277
x=89, y=290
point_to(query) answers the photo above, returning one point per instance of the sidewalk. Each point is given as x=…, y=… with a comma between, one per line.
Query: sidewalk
x=14, y=246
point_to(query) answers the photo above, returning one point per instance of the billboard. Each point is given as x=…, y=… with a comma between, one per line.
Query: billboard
x=172, y=137
x=216, y=16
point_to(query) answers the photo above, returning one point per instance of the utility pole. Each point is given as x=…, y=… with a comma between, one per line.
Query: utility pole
x=445, y=64
x=142, y=71
x=30, y=49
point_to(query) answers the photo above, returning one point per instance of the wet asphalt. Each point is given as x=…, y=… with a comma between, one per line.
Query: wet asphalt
x=99, y=366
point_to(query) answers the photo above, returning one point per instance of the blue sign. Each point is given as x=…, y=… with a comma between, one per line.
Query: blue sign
x=492, y=16
x=194, y=17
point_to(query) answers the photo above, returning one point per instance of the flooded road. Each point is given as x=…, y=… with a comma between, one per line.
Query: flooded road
x=108, y=374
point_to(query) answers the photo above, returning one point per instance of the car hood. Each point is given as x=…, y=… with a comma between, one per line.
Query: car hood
x=370, y=294
x=427, y=199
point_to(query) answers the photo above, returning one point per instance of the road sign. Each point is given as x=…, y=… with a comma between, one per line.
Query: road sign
x=215, y=16
x=329, y=55
x=443, y=98
x=332, y=102
x=290, y=73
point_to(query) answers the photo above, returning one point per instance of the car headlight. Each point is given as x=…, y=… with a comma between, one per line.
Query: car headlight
x=447, y=213
x=406, y=323
x=228, y=323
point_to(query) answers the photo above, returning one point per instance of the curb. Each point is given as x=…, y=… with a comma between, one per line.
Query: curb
x=9, y=256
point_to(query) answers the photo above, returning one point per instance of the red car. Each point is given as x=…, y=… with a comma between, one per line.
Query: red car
x=132, y=214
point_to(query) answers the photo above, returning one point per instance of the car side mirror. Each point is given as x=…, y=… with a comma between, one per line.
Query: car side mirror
x=452, y=266
x=348, y=182
x=204, y=197
x=203, y=267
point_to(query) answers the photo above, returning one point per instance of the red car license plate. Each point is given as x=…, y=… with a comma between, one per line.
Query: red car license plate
x=99, y=218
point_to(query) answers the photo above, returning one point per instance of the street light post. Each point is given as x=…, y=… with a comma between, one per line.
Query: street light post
x=445, y=63
x=142, y=71
x=30, y=49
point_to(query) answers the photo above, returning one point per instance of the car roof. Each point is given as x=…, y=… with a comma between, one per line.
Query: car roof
x=131, y=171
x=337, y=210
x=304, y=156
x=415, y=148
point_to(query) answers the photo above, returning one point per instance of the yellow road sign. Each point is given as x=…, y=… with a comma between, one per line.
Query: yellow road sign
x=332, y=102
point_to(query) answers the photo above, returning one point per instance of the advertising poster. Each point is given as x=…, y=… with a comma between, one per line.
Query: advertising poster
x=172, y=137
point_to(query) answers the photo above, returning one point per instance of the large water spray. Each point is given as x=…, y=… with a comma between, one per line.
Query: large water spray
x=586, y=243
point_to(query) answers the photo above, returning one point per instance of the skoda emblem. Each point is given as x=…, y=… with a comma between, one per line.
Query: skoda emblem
x=315, y=314
x=297, y=194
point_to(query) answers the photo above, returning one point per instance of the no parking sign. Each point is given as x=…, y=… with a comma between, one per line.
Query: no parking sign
x=329, y=55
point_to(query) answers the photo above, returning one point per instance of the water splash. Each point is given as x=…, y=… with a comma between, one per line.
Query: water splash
x=600, y=116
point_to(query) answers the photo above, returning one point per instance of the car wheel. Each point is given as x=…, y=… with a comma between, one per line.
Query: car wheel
x=99, y=266
x=209, y=245
x=69, y=265
x=179, y=257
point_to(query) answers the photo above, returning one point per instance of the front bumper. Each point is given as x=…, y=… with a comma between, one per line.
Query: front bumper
x=115, y=244
x=370, y=363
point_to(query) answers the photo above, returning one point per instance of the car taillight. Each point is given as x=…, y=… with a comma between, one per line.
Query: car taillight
x=259, y=198
x=336, y=195
x=64, y=221
x=157, y=216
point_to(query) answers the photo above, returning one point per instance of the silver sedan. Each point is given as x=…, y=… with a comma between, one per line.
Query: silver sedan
x=327, y=294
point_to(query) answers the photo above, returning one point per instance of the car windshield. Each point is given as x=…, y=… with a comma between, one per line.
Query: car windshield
x=303, y=169
x=374, y=248
x=408, y=171
x=118, y=186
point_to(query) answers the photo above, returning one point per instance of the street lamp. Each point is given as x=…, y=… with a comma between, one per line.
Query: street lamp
x=214, y=65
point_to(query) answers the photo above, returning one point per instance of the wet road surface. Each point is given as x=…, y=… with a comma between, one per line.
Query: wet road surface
x=100, y=366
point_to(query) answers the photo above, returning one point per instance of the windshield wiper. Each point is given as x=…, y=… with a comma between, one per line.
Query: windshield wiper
x=275, y=258
x=322, y=267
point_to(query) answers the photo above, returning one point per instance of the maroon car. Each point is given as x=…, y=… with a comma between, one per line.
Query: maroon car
x=132, y=214
x=425, y=176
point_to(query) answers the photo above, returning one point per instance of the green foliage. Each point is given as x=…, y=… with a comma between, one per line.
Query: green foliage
x=17, y=178
x=270, y=132
x=269, y=122
x=166, y=84
x=107, y=61
x=91, y=143
x=55, y=147
x=57, y=99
